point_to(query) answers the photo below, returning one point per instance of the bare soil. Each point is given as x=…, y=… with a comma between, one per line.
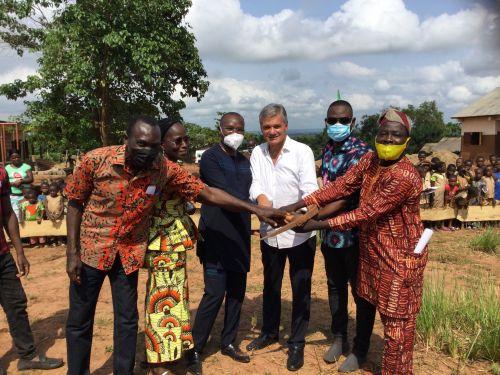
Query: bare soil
x=47, y=290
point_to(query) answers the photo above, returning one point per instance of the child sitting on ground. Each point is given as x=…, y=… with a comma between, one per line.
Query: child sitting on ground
x=489, y=181
x=32, y=210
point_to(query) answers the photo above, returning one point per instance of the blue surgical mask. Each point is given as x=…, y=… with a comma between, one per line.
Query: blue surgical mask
x=338, y=132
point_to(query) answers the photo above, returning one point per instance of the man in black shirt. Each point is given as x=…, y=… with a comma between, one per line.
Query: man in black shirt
x=225, y=249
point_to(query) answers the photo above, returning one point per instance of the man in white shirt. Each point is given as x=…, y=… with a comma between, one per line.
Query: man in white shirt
x=283, y=171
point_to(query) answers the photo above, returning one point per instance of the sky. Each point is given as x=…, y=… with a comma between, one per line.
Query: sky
x=378, y=53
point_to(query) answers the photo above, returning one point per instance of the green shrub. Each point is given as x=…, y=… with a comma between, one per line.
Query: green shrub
x=488, y=241
x=463, y=322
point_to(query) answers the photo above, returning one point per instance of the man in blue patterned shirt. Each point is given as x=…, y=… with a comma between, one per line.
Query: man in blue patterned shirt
x=340, y=248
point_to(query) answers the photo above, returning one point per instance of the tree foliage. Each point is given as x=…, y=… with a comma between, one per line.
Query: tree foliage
x=101, y=61
x=428, y=126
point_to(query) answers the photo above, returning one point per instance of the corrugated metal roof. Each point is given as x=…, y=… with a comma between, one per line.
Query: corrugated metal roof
x=488, y=105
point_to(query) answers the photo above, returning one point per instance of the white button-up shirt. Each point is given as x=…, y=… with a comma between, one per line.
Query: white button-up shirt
x=293, y=177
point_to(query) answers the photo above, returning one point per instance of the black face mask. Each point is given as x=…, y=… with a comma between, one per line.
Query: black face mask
x=143, y=158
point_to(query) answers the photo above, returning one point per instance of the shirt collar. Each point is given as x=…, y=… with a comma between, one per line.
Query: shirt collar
x=286, y=146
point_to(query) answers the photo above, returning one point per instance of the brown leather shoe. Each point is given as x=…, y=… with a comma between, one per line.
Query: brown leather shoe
x=235, y=353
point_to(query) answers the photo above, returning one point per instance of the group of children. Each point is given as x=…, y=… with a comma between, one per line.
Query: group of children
x=458, y=185
x=46, y=204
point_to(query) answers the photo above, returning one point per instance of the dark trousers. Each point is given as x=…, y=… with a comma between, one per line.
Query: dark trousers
x=14, y=303
x=301, y=259
x=341, y=266
x=219, y=283
x=82, y=305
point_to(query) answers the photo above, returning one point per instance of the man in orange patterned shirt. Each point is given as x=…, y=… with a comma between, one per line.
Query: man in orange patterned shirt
x=390, y=273
x=111, y=196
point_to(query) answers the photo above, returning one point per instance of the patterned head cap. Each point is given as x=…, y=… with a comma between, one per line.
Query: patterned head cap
x=392, y=115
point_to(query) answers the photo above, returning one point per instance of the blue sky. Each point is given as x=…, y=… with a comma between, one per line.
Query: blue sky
x=299, y=52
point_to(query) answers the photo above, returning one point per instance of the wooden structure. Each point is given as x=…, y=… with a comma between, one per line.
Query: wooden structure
x=11, y=138
x=481, y=127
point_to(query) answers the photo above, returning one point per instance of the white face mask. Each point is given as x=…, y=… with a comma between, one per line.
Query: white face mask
x=233, y=140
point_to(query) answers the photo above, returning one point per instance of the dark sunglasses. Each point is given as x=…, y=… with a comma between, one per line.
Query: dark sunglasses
x=342, y=120
x=179, y=140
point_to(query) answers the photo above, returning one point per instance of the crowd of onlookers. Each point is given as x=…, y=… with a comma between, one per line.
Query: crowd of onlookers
x=35, y=203
x=460, y=185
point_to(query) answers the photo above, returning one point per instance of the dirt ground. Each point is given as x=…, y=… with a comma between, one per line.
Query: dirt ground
x=47, y=290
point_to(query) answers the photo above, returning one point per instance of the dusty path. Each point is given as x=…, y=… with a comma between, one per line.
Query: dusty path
x=47, y=288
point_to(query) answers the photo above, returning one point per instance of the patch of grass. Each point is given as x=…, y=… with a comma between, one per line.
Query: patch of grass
x=463, y=322
x=495, y=368
x=487, y=242
x=109, y=349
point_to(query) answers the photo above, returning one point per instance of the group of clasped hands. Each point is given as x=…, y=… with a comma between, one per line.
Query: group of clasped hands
x=292, y=217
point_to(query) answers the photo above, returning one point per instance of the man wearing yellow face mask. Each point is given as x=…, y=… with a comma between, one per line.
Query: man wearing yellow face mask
x=390, y=273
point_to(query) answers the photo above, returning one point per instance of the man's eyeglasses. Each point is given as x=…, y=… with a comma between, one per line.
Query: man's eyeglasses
x=179, y=140
x=342, y=120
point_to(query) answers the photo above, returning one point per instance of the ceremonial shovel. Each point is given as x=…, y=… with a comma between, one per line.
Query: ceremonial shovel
x=296, y=222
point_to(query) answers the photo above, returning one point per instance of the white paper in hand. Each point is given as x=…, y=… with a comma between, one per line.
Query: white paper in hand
x=424, y=240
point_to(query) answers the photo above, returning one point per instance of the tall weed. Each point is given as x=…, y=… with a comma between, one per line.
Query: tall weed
x=488, y=241
x=462, y=321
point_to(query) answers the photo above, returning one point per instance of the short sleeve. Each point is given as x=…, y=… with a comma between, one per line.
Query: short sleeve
x=80, y=183
x=5, y=185
x=185, y=184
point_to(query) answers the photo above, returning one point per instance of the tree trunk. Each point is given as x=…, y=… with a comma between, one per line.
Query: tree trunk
x=104, y=96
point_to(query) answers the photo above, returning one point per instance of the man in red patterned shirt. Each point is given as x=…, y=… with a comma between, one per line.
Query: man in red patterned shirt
x=111, y=196
x=12, y=296
x=390, y=273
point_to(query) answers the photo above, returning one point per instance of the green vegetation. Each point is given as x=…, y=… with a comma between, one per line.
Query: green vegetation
x=462, y=321
x=100, y=62
x=487, y=242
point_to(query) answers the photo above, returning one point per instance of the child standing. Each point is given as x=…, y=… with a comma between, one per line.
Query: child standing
x=55, y=209
x=44, y=191
x=438, y=180
x=450, y=191
x=489, y=181
x=32, y=210
x=479, y=188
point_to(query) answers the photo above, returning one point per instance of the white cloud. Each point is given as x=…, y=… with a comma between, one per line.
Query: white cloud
x=382, y=85
x=347, y=68
x=225, y=32
x=439, y=73
x=20, y=72
x=360, y=102
x=459, y=94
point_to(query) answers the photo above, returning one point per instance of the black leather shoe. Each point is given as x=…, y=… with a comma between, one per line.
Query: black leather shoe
x=235, y=353
x=40, y=362
x=295, y=358
x=261, y=342
x=194, y=362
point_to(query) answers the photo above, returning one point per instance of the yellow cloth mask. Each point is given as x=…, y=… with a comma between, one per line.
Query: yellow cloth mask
x=390, y=152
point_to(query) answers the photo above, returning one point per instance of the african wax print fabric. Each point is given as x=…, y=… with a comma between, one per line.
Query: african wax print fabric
x=335, y=163
x=390, y=274
x=168, y=328
x=399, y=340
x=117, y=204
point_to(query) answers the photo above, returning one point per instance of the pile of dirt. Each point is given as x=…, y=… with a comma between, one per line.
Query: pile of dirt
x=446, y=156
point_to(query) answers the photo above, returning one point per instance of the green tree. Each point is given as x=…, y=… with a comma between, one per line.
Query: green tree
x=367, y=129
x=101, y=61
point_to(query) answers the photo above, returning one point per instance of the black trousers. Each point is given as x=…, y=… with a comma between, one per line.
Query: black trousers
x=82, y=305
x=341, y=267
x=219, y=283
x=14, y=303
x=301, y=260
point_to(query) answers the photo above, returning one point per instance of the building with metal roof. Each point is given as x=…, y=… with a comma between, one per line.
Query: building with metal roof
x=481, y=126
